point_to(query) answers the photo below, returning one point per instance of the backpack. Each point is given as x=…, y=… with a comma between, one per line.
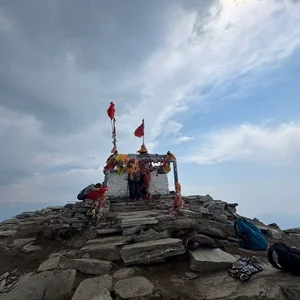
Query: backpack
x=288, y=258
x=249, y=235
x=81, y=195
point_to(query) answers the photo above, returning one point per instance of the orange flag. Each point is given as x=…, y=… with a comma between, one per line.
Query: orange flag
x=139, y=132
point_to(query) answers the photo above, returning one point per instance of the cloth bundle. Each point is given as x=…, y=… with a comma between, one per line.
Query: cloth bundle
x=243, y=269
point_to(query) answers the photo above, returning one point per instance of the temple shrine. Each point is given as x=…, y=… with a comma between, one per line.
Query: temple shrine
x=143, y=172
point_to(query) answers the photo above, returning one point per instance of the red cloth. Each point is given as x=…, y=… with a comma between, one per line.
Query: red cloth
x=97, y=194
x=139, y=132
x=111, y=110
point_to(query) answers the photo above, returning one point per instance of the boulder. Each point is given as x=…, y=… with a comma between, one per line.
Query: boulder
x=133, y=288
x=103, y=295
x=209, y=260
x=19, y=243
x=124, y=273
x=150, y=235
x=215, y=229
x=43, y=286
x=274, y=234
x=90, y=288
x=87, y=266
x=7, y=233
x=138, y=222
x=151, y=251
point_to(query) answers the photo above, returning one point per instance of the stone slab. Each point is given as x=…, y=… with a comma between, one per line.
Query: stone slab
x=49, y=264
x=151, y=251
x=86, y=266
x=105, y=252
x=209, y=260
x=19, y=243
x=109, y=241
x=138, y=222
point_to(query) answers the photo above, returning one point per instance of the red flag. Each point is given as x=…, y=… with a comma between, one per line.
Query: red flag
x=111, y=110
x=139, y=132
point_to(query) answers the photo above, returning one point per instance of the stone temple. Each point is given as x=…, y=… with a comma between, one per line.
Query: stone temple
x=118, y=185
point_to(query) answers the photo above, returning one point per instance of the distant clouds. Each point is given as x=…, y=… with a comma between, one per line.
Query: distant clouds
x=277, y=145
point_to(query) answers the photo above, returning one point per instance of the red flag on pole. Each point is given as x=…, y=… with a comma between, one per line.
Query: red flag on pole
x=139, y=132
x=111, y=110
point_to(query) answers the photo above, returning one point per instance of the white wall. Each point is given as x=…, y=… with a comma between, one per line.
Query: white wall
x=118, y=185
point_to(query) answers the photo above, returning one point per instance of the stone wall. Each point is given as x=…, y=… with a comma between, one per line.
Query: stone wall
x=118, y=185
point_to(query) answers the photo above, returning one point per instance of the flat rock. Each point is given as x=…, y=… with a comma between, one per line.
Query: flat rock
x=138, y=222
x=90, y=288
x=133, y=287
x=19, y=243
x=124, y=273
x=191, y=214
x=31, y=248
x=105, y=248
x=151, y=251
x=274, y=234
x=7, y=233
x=87, y=266
x=49, y=264
x=209, y=260
x=104, y=252
x=43, y=286
x=111, y=241
x=150, y=235
x=108, y=231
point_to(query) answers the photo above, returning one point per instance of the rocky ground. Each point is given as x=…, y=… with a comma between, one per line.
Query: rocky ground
x=136, y=252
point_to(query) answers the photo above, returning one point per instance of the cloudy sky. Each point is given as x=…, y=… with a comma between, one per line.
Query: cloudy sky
x=216, y=81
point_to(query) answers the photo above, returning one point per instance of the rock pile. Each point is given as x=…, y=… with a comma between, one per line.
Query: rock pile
x=118, y=258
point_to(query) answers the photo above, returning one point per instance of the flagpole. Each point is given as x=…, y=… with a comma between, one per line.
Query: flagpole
x=144, y=133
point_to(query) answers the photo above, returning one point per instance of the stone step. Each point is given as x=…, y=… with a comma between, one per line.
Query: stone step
x=138, y=222
x=151, y=251
x=105, y=248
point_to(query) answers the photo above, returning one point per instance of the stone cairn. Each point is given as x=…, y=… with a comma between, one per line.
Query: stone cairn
x=130, y=234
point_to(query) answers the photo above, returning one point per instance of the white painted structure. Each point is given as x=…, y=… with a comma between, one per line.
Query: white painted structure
x=118, y=185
